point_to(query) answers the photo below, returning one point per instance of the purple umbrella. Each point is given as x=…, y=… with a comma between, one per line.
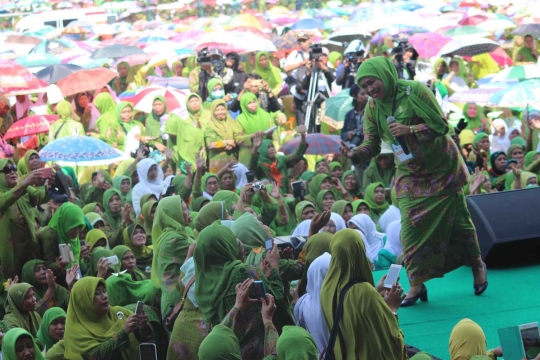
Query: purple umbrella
x=188, y=35
x=319, y=144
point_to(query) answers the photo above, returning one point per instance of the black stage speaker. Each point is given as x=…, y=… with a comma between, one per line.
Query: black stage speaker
x=508, y=225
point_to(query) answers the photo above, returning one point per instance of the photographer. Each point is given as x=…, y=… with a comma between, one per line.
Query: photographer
x=325, y=74
x=236, y=85
x=259, y=87
x=219, y=66
x=346, y=72
x=199, y=77
x=295, y=68
x=405, y=60
x=353, y=127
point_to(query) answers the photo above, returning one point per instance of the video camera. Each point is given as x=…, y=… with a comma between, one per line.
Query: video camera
x=204, y=57
x=315, y=51
x=399, y=50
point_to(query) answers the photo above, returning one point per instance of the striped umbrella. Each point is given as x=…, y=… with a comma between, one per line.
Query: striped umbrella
x=466, y=30
x=477, y=96
x=16, y=78
x=174, y=98
x=518, y=73
x=468, y=46
x=520, y=95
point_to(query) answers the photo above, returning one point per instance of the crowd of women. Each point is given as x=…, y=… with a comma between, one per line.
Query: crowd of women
x=182, y=226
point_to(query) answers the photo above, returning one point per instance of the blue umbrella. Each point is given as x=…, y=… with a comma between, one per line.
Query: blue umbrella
x=36, y=60
x=519, y=95
x=308, y=24
x=54, y=73
x=80, y=150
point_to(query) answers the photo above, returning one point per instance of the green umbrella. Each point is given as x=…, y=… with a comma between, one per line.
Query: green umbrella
x=335, y=109
x=38, y=60
x=466, y=30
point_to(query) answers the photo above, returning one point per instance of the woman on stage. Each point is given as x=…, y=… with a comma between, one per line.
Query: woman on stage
x=437, y=233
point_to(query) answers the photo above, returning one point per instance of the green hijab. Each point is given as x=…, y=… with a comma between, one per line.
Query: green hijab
x=94, y=218
x=67, y=217
x=478, y=137
x=120, y=251
x=299, y=209
x=526, y=52
x=98, y=253
x=511, y=149
x=114, y=219
x=208, y=214
x=316, y=245
x=43, y=333
x=168, y=222
x=198, y=203
x=107, y=108
x=252, y=122
x=315, y=186
x=191, y=63
x=9, y=341
x=370, y=199
x=320, y=197
x=117, y=184
x=139, y=252
x=124, y=82
x=306, y=178
x=88, y=208
x=220, y=344
x=410, y=101
x=520, y=141
x=356, y=204
x=356, y=191
x=212, y=83
x=15, y=316
x=223, y=128
x=205, y=179
x=86, y=329
x=68, y=171
x=216, y=266
x=123, y=290
x=339, y=206
x=379, y=174
x=334, y=56
x=194, y=115
x=271, y=74
x=529, y=158
x=474, y=123
x=24, y=164
x=64, y=110
x=94, y=236
x=153, y=121
x=250, y=232
x=127, y=126
x=147, y=214
x=462, y=73
x=295, y=343
x=28, y=276
x=228, y=197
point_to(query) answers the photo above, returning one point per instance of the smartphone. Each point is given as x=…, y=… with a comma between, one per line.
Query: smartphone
x=530, y=339
x=256, y=83
x=298, y=188
x=170, y=190
x=250, y=176
x=112, y=260
x=273, y=128
x=269, y=244
x=259, y=289
x=47, y=175
x=65, y=251
x=140, y=307
x=147, y=351
x=392, y=276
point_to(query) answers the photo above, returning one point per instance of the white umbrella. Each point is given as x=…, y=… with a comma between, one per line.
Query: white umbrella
x=104, y=29
x=468, y=46
x=349, y=33
x=161, y=58
x=518, y=73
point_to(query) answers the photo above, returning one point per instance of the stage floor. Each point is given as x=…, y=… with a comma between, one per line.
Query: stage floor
x=511, y=299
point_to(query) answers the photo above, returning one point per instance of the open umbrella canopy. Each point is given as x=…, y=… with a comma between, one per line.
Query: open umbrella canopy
x=428, y=44
x=175, y=99
x=336, y=108
x=85, y=80
x=35, y=60
x=308, y=24
x=22, y=39
x=519, y=95
x=319, y=144
x=527, y=29
x=465, y=31
x=31, y=125
x=468, y=46
x=116, y=51
x=54, y=73
x=474, y=96
x=15, y=78
x=518, y=73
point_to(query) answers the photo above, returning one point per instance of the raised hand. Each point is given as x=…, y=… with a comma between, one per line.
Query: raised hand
x=346, y=150
x=242, y=295
x=199, y=161
x=319, y=221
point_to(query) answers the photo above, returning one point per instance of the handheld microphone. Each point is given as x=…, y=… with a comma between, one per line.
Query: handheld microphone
x=400, y=139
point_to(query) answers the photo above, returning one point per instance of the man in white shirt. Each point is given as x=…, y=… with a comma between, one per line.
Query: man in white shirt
x=295, y=67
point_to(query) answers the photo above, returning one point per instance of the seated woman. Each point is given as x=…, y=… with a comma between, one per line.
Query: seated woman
x=122, y=183
x=381, y=169
x=325, y=200
x=498, y=164
x=93, y=193
x=117, y=216
x=20, y=344
x=65, y=126
x=344, y=209
x=374, y=241
x=382, y=337
x=318, y=183
x=117, y=134
x=227, y=179
x=97, y=238
x=150, y=182
x=47, y=292
x=361, y=207
x=296, y=343
x=99, y=265
x=21, y=309
x=215, y=92
x=85, y=110
x=96, y=330
x=391, y=214
x=304, y=210
x=153, y=124
x=376, y=199
x=219, y=137
x=135, y=239
x=209, y=186
x=270, y=74
x=336, y=169
x=95, y=220
x=210, y=213
x=51, y=332
x=467, y=341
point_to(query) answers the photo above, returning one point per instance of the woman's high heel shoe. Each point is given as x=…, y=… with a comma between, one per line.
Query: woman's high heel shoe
x=479, y=289
x=422, y=295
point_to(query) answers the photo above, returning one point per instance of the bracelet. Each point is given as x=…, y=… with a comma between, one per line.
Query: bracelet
x=410, y=128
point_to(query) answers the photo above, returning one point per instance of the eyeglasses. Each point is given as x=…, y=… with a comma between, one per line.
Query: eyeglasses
x=302, y=41
x=9, y=169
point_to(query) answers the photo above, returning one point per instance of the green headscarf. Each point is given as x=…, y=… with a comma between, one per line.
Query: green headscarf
x=407, y=106
x=194, y=115
x=208, y=214
x=98, y=253
x=320, y=197
x=436, y=66
x=9, y=341
x=114, y=219
x=64, y=110
x=28, y=276
x=315, y=186
x=94, y=236
x=356, y=204
x=250, y=232
x=384, y=176
x=147, y=214
x=334, y=56
x=266, y=163
x=220, y=344
x=526, y=53
x=462, y=73
x=474, y=123
x=67, y=217
x=299, y=209
x=86, y=328
x=356, y=191
x=295, y=343
x=138, y=275
x=94, y=218
x=153, y=121
x=271, y=75
x=316, y=245
x=168, y=222
x=126, y=125
x=252, y=122
x=422, y=356
x=339, y=206
x=370, y=199
x=228, y=197
x=107, y=108
x=335, y=164
x=205, y=179
x=43, y=333
x=511, y=149
x=88, y=208
x=15, y=316
x=529, y=158
x=212, y=83
x=137, y=251
x=197, y=204
x=478, y=137
x=520, y=141
x=24, y=165
x=223, y=128
x=191, y=63
x=68, y=171
x=124, y=82
x=117, y=184
x=216, y=266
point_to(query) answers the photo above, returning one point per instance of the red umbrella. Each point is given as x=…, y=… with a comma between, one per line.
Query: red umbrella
x=174, y=98
x=85, y=80
x=15, y=78
x=473, y=20
x=31, y=125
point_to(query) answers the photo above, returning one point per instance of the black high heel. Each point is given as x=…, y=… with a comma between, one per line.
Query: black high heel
x=479, y=289
x=422, y=295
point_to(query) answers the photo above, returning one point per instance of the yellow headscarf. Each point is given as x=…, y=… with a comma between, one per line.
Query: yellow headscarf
x=466, y=340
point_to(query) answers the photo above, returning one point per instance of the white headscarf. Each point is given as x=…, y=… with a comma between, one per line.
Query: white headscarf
x=373, y=239
x=393, y=238
x=308, y=310
x=54, y=94
x=240, y=171
x=390, y=215
x=302, y=229
x=338, y=221
x=21, y=108
x=145, y=186
x=500, y=143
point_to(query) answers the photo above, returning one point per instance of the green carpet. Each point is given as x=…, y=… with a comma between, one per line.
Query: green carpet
x=511, y=299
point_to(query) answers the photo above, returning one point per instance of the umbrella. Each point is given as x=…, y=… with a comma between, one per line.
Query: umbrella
x=116, y=51
x=479, y=96
x=528, y=29
x=80, y=150
x=54, y=73
x=518, y=73
x=174, y=98
x=245, y=20
x=336, y=108
x=85, y=80
x=308, y=24
x=31, y=125
x=319, y=144
x=428, y=44
x=134, y=60
x=348, y=34
x=519, y=95
x=468, y=46
x=22, y=39
x=16, y=78
x=149, y=40
x=465, y=31
x=285, y=41
x=104, y=29
x=35, y=60
x=473, y=20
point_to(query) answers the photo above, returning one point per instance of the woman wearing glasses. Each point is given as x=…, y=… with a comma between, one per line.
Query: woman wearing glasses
x=18, y=218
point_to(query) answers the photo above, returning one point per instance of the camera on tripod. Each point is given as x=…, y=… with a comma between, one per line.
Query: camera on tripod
x=204, y=58
x=315, y=51
x=399, y=50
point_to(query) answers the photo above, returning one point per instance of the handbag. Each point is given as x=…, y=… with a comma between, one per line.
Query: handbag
x=171, y=316
x=330, y=355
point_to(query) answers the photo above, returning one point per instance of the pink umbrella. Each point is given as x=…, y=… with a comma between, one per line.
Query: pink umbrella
x=174, y=98
x=16, y=78
x=428, y=44
x=66, y=56
x=499, y=55
x=137, y=59
x=188, y=35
